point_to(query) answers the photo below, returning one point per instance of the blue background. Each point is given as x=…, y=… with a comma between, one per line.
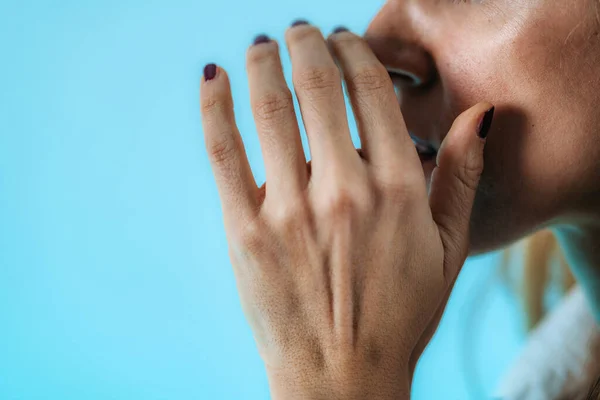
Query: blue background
x=114, y=276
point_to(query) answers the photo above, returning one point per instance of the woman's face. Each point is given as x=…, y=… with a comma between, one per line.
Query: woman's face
x=538, y=61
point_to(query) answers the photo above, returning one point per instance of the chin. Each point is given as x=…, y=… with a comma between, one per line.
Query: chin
x=498, y=222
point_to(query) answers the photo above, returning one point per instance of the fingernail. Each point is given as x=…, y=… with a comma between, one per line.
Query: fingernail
x=299, y=22
x=210, y=71
x=261, y=39
x=485, y=123
x=340, y=29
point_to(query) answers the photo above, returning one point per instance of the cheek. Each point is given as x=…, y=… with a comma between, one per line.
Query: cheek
x=519, y=187
x=538, y=151
x=470, y=73
x=526, y=127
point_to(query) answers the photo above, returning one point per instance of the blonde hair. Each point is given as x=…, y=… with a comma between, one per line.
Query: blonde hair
x=543, y=264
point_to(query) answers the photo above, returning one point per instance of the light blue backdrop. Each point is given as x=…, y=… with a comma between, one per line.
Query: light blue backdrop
x=114, y=277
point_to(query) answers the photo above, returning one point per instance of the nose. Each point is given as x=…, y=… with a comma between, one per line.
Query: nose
x=407, y=63
x=399, y=46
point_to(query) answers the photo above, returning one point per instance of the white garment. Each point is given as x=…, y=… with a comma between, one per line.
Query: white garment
x=561, y=357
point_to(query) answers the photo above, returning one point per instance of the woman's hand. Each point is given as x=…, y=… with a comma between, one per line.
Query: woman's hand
x=342, y=265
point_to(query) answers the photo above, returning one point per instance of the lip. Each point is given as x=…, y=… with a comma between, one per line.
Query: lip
x=403, y=78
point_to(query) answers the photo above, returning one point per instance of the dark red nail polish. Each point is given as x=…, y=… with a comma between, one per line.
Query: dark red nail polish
x=210, y=71
x=261, y=39
x=340, y=29
x=485, y=123
x=299, y=22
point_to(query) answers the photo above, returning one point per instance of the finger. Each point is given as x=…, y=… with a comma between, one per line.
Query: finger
x=381, y=127
x=235, y=182
x=455, y=180
x=317, y=82
x=360, y=152
x=275, y=117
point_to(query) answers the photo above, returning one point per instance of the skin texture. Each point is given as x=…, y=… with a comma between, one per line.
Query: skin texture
x=341, y=267
x=538, y=62
x=344, y=268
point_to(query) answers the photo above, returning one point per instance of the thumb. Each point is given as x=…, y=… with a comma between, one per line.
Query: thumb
x=454, y=181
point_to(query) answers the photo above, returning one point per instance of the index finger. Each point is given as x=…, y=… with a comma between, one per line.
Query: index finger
x=380, y=122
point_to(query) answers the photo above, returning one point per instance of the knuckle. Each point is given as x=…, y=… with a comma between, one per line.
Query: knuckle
x=318, y=79
x=250, y=237
x=469, y=173
x=347, y=202
x=290, y=217
x=216, y=101
x=222, y=149
x=211, y=104
x=340, y=204
x=369, y=79
x=274, y=105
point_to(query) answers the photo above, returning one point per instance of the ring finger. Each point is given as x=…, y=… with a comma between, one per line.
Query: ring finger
x=276, y=123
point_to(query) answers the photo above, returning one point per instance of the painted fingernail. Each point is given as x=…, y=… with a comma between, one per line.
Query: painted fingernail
x=485, y=123
x=340, y=29
x=210, y=71
x=299, y=22
x=261, y=39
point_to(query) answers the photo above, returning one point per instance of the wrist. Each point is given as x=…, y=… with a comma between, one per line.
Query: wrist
x=320, y=385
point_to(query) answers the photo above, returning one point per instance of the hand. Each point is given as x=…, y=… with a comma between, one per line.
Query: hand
x=341, y=267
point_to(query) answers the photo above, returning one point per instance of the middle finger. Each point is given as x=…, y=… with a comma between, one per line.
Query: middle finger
x=318, y=86
x=273, y=109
